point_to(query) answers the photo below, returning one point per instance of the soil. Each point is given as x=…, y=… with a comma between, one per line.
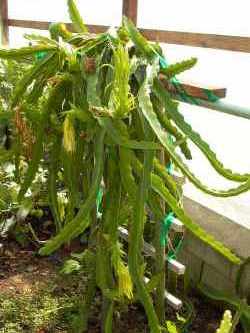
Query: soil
x=22, y=272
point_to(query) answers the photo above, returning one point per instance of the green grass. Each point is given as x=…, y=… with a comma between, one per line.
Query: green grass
x=39, y=311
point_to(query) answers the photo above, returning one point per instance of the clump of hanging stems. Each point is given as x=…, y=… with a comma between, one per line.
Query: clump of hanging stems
x=103, y=123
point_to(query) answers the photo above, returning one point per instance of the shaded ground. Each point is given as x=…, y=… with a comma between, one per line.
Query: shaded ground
x=36, y=299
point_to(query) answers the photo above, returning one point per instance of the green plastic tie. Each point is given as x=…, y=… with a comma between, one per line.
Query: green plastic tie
x=99, y=202
x=165, y=226
x=181, y=92
x=163, y=62
x=211, y=96
x=169, y=168
x=40, y=55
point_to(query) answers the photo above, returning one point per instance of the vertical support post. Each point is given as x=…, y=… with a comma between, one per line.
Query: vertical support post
x=4, y=33
x=129, y=9
x=160, y=261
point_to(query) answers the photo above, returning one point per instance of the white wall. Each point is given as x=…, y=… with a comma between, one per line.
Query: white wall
x=106, y=12
x=227, y=135
x=222, y=17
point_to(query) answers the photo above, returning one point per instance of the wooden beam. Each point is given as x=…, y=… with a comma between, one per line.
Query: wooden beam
x=224, y=42
x=130, y=8
x=231, y=43
x=42, y=25
x=4, y=22
x=194, y=90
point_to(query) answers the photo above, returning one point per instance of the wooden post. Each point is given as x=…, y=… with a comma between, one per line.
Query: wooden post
x=160, y=259
x=129, y=9
x=4, y=38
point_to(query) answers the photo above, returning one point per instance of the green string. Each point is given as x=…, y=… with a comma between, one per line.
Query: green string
x=169, y=218
x=177, y=244
x=178, y=241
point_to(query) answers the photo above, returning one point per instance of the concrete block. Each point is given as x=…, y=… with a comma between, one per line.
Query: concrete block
x=231, y=234
x=195, y=245
x=206, y=253
x=245, y=282
x=218, y=269
x=212, y=278
x=193, y=265
x=216, y=276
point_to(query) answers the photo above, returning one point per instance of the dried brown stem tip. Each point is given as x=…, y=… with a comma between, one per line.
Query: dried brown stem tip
x=89, y=65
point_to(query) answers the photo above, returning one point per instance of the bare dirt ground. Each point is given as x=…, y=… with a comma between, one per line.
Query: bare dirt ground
x=26, y=277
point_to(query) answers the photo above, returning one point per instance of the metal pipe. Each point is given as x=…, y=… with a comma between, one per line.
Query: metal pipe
x=228, y=108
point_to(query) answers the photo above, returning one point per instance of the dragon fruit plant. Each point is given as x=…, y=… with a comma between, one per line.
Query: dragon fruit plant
x=103, y=121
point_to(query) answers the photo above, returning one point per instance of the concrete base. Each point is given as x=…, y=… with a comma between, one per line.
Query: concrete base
x=208, y=266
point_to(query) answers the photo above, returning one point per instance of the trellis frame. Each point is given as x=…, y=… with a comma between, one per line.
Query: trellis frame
x=130, y=9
